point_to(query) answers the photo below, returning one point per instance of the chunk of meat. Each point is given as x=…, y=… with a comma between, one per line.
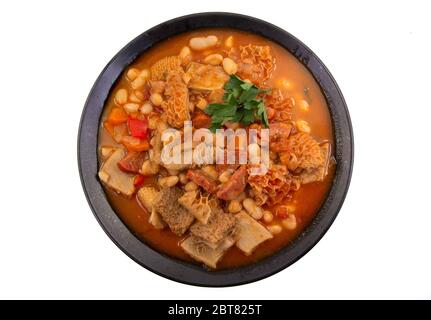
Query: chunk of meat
x=206, y=77
x=197, y=204
x=201, y=120
x=274, y=186
x=250, y=233
x=156, y=220
x=281, y=103
x=176, y=105
x=132, y=162
x=161, y=68
x=304, y=154
x=255, y=63
x=201, y=179
x=207, y=255
x=176, y=216
x=220, y=226
x=234, y=186
x=279, y=133
x=115, y=179
x=307, y=158
x=147, y=196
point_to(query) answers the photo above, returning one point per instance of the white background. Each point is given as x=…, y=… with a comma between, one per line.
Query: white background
x=51, y=245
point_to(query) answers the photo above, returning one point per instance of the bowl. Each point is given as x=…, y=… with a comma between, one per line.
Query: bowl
x=182, y=271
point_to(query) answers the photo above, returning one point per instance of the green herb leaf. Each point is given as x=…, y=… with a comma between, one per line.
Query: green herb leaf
x=242, y=103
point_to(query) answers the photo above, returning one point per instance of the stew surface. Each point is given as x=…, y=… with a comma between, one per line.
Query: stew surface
x=190, y=77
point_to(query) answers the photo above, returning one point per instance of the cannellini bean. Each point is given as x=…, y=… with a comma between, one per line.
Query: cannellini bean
x=138, y=83
x=234, y=206
x=203, y=43
x=252, y=208
x=229, y=66
x=275, y=229
x=283, y=84
x=214, y=59
x=121, y=96
x=141, y=79
x=303, y=105
x=132, y=73
x=191, y=186
x=131, y=107
x=229, y=42
x=134, y=98
x=146, y=108
x=156, y=99
x=268, y=216
x=202, y=103
x=149, y=168
x=290, y=222
x=210, y=172
x=183, y=178
x=225, y=176
x=140, y=95
x=303, y=126
x=168, y=181
x=185, y=52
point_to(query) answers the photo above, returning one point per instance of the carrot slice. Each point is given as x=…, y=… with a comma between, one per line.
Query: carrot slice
x=117, y=116
x=135, y=144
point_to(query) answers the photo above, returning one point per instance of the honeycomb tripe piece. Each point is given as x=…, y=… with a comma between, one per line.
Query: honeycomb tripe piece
x=176, y=103
x=160, y=69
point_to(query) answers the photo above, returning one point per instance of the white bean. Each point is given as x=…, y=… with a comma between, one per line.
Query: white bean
x=234, y=206
x=132, y=74
x=121, y=96
x=229, y=42
x=149, y=168
x=252, y=208
x=225, y=176
x=268, y=216
x=290, y=222
x=303, y=126
x=203, y=43
x=146, y=108
x=131, y=107
x=185, y=53
x=156, y=99
x=229, y=66
x=191, y=186
x=303, y=105
x=168, y=181
x=275, y=229
x=214, y=59
x=211, y=172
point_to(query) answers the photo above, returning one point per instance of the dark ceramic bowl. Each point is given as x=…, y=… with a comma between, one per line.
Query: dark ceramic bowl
x=179, y=270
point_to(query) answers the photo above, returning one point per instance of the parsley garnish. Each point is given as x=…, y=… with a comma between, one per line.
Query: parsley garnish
x=241, y=104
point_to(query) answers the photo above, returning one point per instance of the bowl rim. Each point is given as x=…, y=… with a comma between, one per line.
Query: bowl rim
x=175, y=269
